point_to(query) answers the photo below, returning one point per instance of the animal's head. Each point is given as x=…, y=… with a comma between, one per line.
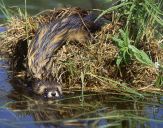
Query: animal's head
x=48, y=89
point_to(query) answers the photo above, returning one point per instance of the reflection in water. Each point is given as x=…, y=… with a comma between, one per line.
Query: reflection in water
x=22, y=108
x=96, y=110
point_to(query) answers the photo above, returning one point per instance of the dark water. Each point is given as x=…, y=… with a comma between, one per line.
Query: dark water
x=21, y=109
x=35, y=6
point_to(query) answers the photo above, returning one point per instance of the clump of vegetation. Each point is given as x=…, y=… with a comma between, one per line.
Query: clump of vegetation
x=139, y=40
x=125, y=54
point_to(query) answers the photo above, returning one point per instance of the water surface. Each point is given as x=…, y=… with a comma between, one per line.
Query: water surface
x=35, y=6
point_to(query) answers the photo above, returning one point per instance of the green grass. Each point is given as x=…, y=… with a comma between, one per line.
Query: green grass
x=5, y=10
x=10, y=12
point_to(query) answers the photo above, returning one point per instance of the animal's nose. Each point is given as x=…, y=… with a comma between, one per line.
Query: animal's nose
x=53, y=94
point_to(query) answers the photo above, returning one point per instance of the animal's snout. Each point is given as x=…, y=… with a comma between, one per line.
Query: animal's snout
x=53, y=94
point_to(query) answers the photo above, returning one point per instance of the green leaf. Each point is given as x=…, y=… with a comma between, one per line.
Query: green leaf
x=118, y=61
x=119, y=41
x=141, y=55
x=134, y=49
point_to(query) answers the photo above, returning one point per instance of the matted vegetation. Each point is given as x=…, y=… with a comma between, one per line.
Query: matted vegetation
x=125, y=56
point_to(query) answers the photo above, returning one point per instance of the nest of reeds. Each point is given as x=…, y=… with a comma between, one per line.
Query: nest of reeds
x=92, y=64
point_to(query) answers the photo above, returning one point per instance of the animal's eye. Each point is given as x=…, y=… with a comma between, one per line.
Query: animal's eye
x=45, y=96
x=45, y=93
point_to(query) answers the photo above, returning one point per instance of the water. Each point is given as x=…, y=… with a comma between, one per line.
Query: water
x=35, y=6
x=20, y=108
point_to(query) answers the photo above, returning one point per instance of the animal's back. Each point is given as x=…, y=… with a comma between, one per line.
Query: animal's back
x=52, y=36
